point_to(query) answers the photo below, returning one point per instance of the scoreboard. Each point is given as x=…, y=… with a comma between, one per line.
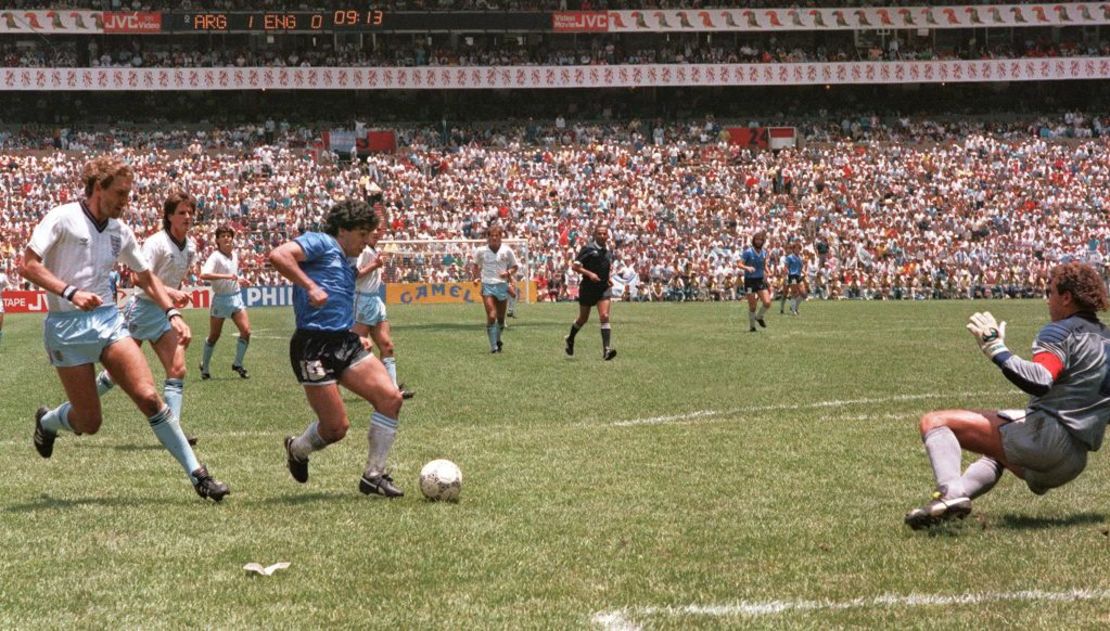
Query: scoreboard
x=352, y=20
x=307, y=21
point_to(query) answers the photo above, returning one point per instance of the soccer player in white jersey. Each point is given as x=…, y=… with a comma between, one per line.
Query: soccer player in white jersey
x=3, y=285
x=1046, y=444
x=371, y=319
x=171, y=254
x=222, y=270
x=70, y=255
x=494, y=265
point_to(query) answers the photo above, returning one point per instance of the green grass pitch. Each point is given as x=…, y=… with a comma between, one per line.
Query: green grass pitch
x=707, y=477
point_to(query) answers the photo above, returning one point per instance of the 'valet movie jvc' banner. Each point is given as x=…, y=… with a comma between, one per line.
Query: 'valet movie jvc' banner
x=539, y=77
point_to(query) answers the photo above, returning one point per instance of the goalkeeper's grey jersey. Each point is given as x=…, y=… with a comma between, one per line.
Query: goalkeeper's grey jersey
x=1080, y=396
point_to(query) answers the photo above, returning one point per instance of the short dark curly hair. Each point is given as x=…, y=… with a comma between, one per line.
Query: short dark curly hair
x=350, y=214
x=1084, y=284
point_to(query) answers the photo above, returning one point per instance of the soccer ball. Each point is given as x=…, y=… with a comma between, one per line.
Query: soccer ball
x=441, y=481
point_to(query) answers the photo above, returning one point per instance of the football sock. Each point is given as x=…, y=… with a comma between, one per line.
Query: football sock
x=58, y=419
x=491, y=333
x=944, y=454
x=782, y=303
x=308, y=442
x=795, y=303
x=241, y=350
x=390, y=364
x=173, y=391
x=500, y=329
x=206, y=357
x=751, y=318
x=762, y=310
x=383, y=430
x=981, y=476
x=104, y=383
x=605, y=332
x=1, y=335
x=574, y=329
x=169, y=433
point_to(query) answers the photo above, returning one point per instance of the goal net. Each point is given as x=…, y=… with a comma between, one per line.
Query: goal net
x=446, y=261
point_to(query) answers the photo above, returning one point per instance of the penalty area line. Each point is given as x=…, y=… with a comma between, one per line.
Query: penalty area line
x=624, y=619
x=834, y=403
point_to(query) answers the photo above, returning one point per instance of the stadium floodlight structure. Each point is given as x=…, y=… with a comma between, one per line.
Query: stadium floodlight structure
x=445, y=261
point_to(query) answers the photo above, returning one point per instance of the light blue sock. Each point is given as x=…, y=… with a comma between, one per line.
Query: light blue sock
x=491, y=332
x=173, y=391
x=391, y=367
x=104, y=383
x=58, y=419
x=241, y=350
x=308, y=442
x=207, y=356
x=383, y=431
x=168, y=430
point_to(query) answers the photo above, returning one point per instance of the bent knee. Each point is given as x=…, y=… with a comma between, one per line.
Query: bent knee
x=390, y=404
x=932, y=420
x=335, y=431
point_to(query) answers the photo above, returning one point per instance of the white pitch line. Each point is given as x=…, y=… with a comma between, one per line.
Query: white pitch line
x=699, y=414
x=621, y=619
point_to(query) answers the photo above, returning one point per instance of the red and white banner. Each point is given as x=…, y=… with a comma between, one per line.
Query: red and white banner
x=24, y=301
x=540, y=77
x=63, y=22
x=803, y=19
x=132, y=22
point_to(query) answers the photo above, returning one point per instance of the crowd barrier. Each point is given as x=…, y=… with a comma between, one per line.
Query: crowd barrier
x=282, y=296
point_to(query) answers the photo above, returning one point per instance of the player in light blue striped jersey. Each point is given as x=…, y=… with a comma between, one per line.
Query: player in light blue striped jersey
x=325, y=353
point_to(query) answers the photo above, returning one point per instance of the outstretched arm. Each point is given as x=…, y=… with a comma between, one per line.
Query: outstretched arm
x=1033, y=377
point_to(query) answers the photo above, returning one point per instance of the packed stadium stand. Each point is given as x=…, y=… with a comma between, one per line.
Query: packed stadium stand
x=918, y=159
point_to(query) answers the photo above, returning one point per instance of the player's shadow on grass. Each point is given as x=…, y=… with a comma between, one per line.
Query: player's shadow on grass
x=304, y=498
x=1027, y=522
x=45, y=502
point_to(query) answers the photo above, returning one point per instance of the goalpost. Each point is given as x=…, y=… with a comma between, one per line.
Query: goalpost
x=446, y=261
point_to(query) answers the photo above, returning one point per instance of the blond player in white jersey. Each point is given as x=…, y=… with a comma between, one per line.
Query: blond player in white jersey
x=494, y=265
x=171, y=254
x=71, y=253
x=370, y=314
x=222, y=270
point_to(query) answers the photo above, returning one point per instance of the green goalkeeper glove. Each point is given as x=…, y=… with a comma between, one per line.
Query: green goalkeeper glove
x=990, y=334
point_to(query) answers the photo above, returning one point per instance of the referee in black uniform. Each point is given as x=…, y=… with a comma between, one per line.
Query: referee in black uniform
x=593, y=263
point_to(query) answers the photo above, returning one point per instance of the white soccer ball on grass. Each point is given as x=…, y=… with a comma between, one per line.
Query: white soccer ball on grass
x=441, y=481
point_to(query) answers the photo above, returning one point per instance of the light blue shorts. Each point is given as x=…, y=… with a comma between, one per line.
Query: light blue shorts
x=145, y=320
x=226, y=305
x=369, y=309
x=499, y=291
x=74, y=338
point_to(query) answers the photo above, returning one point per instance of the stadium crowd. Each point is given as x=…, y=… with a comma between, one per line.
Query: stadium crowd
x=984, y=216
x=479, y=50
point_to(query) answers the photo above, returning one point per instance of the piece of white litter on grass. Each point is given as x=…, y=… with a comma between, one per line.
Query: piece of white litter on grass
x=265, y=571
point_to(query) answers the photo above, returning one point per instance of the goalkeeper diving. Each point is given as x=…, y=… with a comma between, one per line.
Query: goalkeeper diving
x=1047, y=443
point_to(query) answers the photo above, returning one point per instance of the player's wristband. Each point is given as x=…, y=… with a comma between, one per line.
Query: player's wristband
x=69, y=292
x=172, y=313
